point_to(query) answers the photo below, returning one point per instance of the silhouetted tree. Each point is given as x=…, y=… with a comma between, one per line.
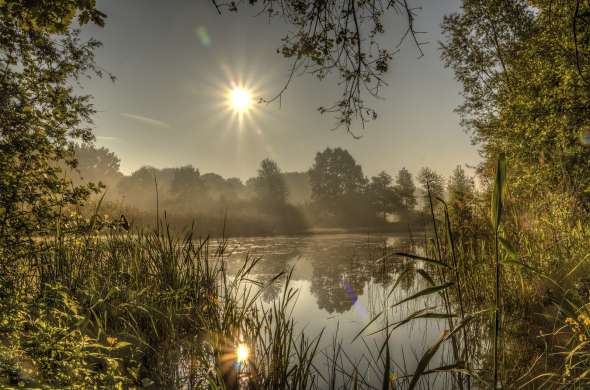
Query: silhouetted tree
x=461, y=198
x=186, y=187
x=95, y=165
x=214, y=183
x=270, y=186
x=429, y=178
x=406, y=190
x=234, y=189
x=383, y=197
x=335, y=174
x=186, y=181
x=298, y=187
x=139, y=189
x=338, y=183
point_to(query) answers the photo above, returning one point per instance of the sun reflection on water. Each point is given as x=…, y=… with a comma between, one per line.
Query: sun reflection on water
x=242, y=353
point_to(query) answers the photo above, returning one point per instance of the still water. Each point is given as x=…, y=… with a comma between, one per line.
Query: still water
x=343, y=281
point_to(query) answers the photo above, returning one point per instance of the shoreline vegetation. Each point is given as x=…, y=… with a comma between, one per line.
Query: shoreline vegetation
x=151, y=308
x=92, y=301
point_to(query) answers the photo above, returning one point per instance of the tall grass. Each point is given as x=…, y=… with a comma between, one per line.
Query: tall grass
x=169, y=305
x=157, y=310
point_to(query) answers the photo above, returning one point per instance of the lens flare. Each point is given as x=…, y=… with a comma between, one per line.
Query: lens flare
x=203, y=36
x=242, y=353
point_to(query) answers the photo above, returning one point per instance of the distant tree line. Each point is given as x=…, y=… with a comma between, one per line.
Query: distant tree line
x=333, y=193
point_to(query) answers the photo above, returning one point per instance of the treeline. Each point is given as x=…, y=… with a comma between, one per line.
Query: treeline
x=333, y=193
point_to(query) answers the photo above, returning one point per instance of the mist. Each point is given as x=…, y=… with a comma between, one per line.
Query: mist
x=333, y=195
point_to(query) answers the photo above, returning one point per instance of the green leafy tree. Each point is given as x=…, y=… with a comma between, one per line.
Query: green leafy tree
x=334, y=175
x=40, y=112
x=406, y=190
x=524, y=67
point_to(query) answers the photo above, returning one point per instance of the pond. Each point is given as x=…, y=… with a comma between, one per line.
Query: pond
x=344, y=281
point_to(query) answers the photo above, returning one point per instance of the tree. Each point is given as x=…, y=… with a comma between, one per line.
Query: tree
x=270, y=186
x=40, y=112
x=334, y=175
x=338, y=188
x=96, y=165
x=524, y=68
x=139, y=189
x=338, y=36
x=383, y=197
x=298, y=186
x=187, y=186
x=234, y=188
x=461, y=196
x=429, y=179
x=406, y=190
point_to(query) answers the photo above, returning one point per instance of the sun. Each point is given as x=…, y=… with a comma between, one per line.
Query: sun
x=239, y=99
x=242, y=353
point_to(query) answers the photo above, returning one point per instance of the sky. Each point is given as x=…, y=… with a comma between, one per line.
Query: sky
x=175, y=61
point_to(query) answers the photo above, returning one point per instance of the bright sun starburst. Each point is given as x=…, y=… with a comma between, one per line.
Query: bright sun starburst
x=236, y=101
x=240, y=99
x=242, y=353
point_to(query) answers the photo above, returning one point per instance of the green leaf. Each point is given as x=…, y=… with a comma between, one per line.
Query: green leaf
x=121, y=344
x=422, y=258
x=426, y=276
x=575, y=267
x=429, y=354
x=366, y=326
x=426, y=291
x=387, y=368
x=97, y=345
x=422, y=313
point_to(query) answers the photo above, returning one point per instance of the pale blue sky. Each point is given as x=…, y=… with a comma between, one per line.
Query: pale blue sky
x=167, y=106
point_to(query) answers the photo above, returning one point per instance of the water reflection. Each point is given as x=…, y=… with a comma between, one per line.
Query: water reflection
x=343, y=281
x=338, y=267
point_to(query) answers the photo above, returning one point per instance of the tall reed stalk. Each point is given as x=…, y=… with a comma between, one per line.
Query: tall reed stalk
x=497, y=208
x=445, y=294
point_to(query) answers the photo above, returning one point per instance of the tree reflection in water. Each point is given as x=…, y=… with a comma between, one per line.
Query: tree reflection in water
x=344, y=281
x=339, y=267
